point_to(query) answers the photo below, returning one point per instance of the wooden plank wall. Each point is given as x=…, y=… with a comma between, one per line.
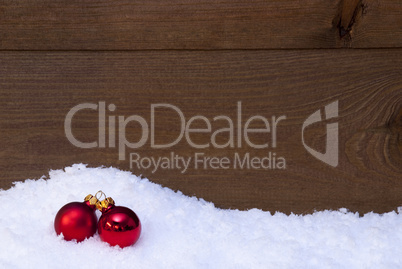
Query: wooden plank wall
x=275, y=57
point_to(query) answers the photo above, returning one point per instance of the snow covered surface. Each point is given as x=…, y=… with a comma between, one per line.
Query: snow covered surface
x=186, y=232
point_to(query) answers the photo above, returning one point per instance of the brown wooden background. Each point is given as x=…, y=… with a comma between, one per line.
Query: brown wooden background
x=277, y=57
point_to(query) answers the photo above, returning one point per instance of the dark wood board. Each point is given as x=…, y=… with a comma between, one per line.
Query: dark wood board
x=209, y=24
x=39, y=88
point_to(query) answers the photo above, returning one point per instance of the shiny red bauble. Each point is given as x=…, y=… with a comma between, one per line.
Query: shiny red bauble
x=119, y=225
x=76, y=220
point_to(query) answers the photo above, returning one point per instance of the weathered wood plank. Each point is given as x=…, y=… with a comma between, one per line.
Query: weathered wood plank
x=39, y=88
x=210, y=24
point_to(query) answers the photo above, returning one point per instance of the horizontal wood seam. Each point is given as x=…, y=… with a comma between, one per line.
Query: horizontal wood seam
x=207, y=50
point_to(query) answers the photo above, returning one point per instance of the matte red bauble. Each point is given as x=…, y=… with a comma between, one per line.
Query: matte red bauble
x=77, y=220
x=118, y=225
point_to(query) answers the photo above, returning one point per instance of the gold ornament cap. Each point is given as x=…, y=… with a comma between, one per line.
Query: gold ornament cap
x=91, y=199
x=104, y=204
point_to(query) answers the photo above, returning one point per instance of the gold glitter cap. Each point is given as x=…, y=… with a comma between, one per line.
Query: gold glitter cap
x=104, y=204
x=91, y=199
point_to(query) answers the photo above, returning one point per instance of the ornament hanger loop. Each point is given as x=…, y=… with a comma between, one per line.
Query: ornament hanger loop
x=100, y=193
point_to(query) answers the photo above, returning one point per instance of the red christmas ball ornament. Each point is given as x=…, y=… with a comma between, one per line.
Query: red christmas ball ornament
x=118, y=225
x=77, y=220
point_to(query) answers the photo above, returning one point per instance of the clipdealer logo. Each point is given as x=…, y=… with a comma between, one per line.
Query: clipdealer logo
x=331, y=155
x=116, y=130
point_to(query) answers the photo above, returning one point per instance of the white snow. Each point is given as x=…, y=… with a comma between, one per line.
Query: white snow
x=186, y=232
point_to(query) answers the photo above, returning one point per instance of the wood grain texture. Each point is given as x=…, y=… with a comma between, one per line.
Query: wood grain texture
x=209, y=24
x=39, y=88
